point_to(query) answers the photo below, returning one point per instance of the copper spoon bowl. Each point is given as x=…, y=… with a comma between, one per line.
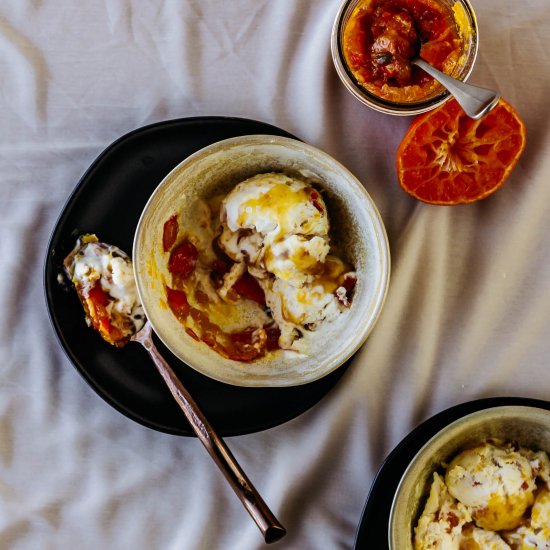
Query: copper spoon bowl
x=268, y=524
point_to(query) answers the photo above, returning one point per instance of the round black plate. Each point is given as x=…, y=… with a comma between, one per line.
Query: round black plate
x=108, y=201
x=373, y=528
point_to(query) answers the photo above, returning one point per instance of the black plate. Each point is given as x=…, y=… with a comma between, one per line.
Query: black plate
x=373, y=528
x=108, y=201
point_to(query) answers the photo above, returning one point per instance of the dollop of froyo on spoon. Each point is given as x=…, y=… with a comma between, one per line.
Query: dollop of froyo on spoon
x=103, y=277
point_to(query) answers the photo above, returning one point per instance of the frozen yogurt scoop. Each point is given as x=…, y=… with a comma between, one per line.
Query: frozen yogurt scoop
x=495, y=482
x=442, y=521
x=277, y=227
x=534, y=533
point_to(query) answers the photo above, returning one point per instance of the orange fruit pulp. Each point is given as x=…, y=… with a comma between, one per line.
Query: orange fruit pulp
x=448, y=158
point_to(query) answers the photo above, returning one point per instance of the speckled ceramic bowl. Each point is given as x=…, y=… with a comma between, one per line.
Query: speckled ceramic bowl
x=529, y=426
x=466, y=24
x=355, y=225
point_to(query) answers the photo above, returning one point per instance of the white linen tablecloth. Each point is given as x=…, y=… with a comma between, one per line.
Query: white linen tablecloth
x=467, y=314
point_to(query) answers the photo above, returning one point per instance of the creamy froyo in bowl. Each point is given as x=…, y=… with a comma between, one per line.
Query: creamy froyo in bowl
x=261, y=261
x=483, y=483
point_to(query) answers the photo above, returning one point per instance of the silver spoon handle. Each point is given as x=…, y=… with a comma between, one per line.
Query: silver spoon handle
x=268, y=524
x=475, y=101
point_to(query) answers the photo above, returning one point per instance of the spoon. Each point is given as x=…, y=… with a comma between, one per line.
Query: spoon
x=93, y=260
x=268, y=524
x=475, y=101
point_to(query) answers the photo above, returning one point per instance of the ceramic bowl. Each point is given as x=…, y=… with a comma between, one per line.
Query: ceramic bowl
x=355, y=225
x=466, y=23
x=528, y=426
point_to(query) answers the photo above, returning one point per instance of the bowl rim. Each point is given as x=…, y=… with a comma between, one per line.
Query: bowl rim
x=373, y=213
x=505, y=410
x=382, y=105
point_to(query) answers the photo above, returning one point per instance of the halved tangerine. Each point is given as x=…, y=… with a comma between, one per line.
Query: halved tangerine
x=448, y=158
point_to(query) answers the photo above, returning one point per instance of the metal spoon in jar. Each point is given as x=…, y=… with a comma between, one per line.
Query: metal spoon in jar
x=475, y=101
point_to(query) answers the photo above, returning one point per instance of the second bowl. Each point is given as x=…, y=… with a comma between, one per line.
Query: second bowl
x=525, y=426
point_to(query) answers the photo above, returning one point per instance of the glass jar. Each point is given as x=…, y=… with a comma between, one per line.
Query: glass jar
x=406, y=100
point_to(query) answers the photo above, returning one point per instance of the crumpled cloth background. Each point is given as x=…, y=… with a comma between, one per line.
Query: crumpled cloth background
x=467, y=314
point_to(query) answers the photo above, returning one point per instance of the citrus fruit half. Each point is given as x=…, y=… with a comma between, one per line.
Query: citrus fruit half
x=448, y=158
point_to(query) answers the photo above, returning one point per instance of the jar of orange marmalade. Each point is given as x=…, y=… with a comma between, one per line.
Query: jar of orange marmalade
x=374, y=41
